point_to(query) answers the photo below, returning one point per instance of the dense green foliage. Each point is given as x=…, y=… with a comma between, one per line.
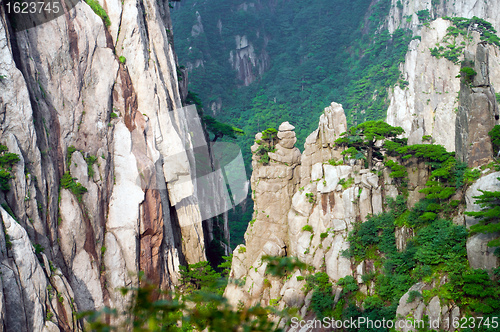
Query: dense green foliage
x=467, y=73
x=266, y=145
x=452, y=49
x=313, y=60
x=7, y=160
x=463, y=26
x=68, y=182
x=97, y=8
x=495, y=139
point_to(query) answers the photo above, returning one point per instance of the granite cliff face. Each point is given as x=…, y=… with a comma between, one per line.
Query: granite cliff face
x=306, y=206
x=101, y=107
x=430, y=101
x=428, y=105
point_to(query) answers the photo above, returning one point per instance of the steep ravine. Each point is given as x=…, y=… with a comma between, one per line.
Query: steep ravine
x=100, y=107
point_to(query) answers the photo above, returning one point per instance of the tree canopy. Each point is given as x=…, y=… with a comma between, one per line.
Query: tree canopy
x=220, y=129
x=360, y=140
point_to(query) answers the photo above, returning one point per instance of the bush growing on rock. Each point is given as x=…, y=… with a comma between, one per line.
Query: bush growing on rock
x=360, y=140
x=489, y=217
x=7, y=160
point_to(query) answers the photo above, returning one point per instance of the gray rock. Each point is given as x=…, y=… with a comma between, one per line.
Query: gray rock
x=286, y=126
x=480, y=256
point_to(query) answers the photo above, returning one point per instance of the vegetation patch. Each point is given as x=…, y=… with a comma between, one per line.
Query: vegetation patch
x=91, y=160
x=7, y=160
x=97, y=8
x=267, y=144
x=307, y=228
x=453, y=47
x=68, y=182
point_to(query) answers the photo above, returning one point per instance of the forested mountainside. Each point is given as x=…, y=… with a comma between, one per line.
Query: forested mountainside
x=113, y=198
x=256, y=64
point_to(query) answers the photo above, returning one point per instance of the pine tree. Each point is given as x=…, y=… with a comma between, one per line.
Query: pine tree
x=489, y=216
x=360, y=140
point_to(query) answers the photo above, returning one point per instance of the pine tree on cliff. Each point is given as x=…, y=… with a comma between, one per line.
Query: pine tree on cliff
x=361, y=140
x=489, y=216
x=220, y=129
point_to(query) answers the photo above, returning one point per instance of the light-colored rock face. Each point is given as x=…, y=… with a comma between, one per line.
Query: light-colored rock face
x=248, y=64
x=139, y=168
x=405, y=14
x=440, y=315
x=480, y=256
x=477, y=111
x=429, y=104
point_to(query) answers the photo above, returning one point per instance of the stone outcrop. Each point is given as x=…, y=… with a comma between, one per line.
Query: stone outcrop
x=328, y=198
x=428, y=105
x=477, y=110
x=440, y=315
x=403, y=14
x=481, y=256
x=249, y=64
x=305, y=207
x=104, y=105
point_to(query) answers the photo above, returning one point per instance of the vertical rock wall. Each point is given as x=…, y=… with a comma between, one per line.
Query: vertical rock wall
x=112, y=93
x=477, y=111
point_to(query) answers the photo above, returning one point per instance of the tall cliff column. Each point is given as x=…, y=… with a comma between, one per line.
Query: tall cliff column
x=477, y=110
x=274, y=180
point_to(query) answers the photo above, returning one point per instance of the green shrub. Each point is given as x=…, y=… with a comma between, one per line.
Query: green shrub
x=495, y=137
x=38, y=248
x=311, y=198
x=426, y=138
x=96, y=7
x=424, y=15
x=199, y=276
x=334, y=162
x=412, y=296
x=323, y=235
x=122, y=59
x=348, y=284
x=307, y=228
x=7, y=160
x=5, y=176
x=488, y=217
x=398, y=170
x=68, y=182
x=322, y=298
x=91, y=160
x=69, y=152
x=467, y=73
x=113, y=115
